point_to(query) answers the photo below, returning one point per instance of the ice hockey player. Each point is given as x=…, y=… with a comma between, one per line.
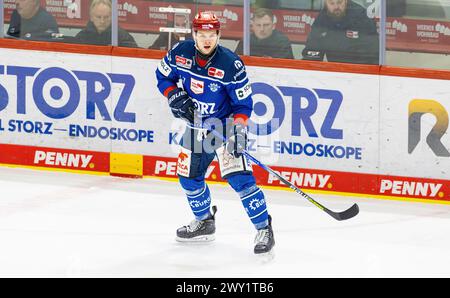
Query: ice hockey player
x=207, y=83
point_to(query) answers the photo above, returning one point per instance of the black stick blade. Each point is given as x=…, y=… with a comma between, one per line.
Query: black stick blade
x=347, y=214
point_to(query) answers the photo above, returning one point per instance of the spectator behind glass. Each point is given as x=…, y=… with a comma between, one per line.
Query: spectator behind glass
x=30, y=21
x=343, y=33
x=265, y=40
x=274, y=4
x=98, y=29
x=181, y=21
x=395, y=8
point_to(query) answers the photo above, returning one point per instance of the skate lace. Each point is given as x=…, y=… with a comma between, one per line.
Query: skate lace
x=194, y=225
x=262, y=236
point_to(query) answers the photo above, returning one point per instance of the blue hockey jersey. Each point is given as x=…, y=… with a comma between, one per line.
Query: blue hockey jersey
x=220, y=89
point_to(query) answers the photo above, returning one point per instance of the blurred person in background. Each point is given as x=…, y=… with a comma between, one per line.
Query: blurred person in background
x=30, y=21
x=273, y=4
x=343, y=33
x=162, y=42
x=265, y=40
x=98, y=29
x=396, y=8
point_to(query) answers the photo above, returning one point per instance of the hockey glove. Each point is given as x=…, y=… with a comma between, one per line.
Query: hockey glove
x=237, y=143
x=181, y=105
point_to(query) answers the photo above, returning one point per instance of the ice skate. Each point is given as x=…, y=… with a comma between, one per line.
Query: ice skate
x=198, y=230
x=264, y=242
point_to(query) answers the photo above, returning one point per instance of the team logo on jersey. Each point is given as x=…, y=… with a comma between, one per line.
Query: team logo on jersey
x=214, y=87
x=183, y=62
x=215, y=72
x=197, y=86
x=352, y=34
x=238, y=64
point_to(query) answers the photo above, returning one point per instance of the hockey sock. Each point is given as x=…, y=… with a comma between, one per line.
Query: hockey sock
x=198, y=195
x=252, y=198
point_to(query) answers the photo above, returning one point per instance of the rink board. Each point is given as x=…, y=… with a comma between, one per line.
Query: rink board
x=337, y=132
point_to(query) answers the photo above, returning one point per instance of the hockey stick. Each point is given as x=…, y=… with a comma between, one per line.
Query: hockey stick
x=346, y=214
x=349, y=213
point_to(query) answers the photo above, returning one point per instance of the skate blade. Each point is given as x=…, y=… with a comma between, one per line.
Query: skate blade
x=198, y=239
x=265, y=257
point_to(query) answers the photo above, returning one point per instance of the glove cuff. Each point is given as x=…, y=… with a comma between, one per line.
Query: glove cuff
x=240, y=119
x=171, y=91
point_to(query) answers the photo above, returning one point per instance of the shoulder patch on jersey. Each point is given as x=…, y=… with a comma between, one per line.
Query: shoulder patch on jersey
x=197, y=86
x=183, y=62
x=164, y=68
x=216, y=72
x=238, y=64
x=239, y=73
x=239, y=70
x=244, y=92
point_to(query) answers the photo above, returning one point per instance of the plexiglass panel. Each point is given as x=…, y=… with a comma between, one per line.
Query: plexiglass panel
x=342, y=31
x=74, y=21
x=418, y=33
x=160, y=24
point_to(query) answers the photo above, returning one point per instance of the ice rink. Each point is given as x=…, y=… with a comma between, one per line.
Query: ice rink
x=70, y=225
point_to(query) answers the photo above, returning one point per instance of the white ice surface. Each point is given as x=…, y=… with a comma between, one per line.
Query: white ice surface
x=70, y=225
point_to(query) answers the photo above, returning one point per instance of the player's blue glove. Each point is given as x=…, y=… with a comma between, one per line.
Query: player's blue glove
x=181, y=105
x=237, y=143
